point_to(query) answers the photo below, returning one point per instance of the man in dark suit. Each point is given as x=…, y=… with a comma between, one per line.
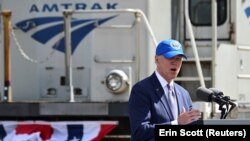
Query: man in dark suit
x=158, y=99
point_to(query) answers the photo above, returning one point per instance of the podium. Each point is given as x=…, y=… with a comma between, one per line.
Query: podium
x=226, y=122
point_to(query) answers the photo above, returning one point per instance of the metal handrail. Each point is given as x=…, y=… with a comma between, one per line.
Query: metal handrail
x=124, y=11
x=68, y=58
x=67, y=16
x=197, y=60
x=214, y=39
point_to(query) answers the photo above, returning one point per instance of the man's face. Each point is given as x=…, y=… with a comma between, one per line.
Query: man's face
x=168, y=68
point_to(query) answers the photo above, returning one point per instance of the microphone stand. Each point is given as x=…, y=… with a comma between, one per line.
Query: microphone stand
x=233, y=105
x=223, y=110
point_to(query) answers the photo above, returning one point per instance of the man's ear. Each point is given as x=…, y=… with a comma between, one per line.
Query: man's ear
x=156, y=59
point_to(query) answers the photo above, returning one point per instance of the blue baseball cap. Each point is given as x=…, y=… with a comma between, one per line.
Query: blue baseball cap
x=169, y=49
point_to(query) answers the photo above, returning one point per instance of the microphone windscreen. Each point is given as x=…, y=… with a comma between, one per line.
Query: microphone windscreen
x=204, y=94
x=216, y=91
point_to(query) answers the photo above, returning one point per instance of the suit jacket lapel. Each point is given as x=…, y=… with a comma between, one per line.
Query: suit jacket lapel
x=179, y=99
x=160, y=94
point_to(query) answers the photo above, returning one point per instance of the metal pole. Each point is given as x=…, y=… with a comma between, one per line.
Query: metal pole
x=197, y=60
x=68, y=58
x=214, y=39
x=214, y=46
x=7, y=57
x=151, y=33
x=138, y=59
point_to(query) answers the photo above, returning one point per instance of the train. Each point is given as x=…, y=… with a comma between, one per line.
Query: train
x=78, y=60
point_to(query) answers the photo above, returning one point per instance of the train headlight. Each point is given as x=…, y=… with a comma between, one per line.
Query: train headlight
x=117, y=81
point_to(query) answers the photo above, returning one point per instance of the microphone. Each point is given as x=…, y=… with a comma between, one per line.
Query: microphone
x=220, y=93
x=212, y=94
x=216, y=91
x=208, y=95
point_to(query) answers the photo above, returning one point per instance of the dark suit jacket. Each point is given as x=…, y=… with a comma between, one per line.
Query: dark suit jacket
x=148, y=107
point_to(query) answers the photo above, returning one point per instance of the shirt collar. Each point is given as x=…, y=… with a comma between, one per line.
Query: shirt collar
x=163, y=82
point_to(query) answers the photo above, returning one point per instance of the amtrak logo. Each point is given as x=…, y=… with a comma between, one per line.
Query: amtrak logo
x=175, y=45
x=53, y=26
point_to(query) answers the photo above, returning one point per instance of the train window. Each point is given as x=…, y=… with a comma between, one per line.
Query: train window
x=200, y=12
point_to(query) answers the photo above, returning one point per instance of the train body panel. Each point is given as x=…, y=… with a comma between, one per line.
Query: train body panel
x=112, y=46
